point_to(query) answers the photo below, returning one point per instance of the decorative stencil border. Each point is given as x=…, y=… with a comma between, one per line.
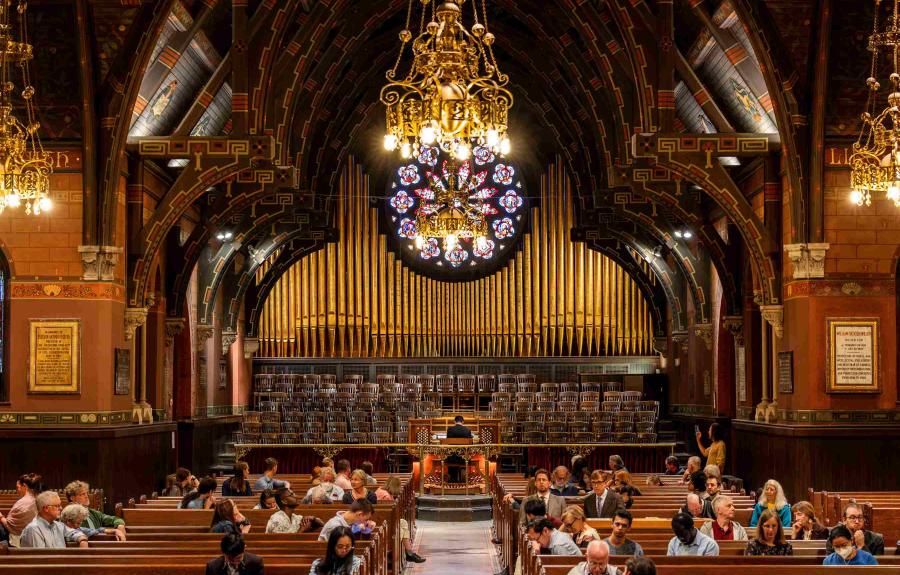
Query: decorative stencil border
x=68, y=418
x=827, y=416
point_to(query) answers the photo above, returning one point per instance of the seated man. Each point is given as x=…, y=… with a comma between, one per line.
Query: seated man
x=357, y=518
x=234, y=560
x=618, y=541
x=535, y=509
x=73, y=517
x=78, y=492
x=45, y=531
x=697, y=485
x=554, y=504
x=696, y=507
x=342, y=474
x=549, y=541
x=602, y=502
x=693, y=465
x=688, y=540
x=267, y=479
x=863, y=539
x=713, y=486
x=640, y=566
x=844, y=551
x=597, y=561
x=723, y=528
x=672, y=467
x=456, y=431
x=562, y=484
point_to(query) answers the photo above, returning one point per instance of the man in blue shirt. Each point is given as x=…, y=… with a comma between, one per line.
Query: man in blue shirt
x=688, y=540
x=267, y=479
x=845, y=552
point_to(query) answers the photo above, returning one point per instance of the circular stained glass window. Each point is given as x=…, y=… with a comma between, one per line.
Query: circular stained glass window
x=483, y=196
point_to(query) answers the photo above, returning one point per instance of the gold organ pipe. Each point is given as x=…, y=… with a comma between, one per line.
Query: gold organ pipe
x=355, y=298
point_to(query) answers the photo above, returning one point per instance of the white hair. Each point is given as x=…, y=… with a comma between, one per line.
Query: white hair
x=73, y=514
x=44, y=498
x=720, y=501
x=712, y=470
x=596, y=546
x=780, y=499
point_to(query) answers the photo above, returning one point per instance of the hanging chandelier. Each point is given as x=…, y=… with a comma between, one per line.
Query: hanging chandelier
x=25, y=167
x=454, y=95
x=875, y=160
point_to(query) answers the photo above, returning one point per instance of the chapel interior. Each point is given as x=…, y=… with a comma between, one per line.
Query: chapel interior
x=236, y=230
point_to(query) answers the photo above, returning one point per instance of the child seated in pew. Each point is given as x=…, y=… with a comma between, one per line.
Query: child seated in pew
x=286, y=521
x=228, y=519
x=74, y=515
x=234, y=560
x=357, y=518
x=845, y=552
x=339, y=557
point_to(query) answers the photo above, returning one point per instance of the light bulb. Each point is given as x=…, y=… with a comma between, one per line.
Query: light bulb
x=893, y=192
x=13, y=200
x=406, y=150
x=451, y=241
x=462, y=151
x=420, y=242
x=493, y=137
x=505, y=146
x=688, y=234
x=390, y=142
x=856, y=197
x=678, y=234
x=427, y=135
x=45, y=204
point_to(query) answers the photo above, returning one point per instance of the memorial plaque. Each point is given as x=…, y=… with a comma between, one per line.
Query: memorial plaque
x=740, y=368
x=786, y=372
x=852, y=352
x=123, y=372
x=54, y=358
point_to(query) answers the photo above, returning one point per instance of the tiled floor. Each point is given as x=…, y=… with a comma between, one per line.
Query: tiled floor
x=454, y=549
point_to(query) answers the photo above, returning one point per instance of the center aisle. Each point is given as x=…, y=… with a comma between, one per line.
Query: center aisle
x=454, y=548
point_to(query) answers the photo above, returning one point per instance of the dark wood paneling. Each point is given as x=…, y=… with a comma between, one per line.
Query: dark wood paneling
x=200, y=440
x=124, y=461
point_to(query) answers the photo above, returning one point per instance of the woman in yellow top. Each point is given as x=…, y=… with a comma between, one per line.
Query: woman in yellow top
x=715, y=453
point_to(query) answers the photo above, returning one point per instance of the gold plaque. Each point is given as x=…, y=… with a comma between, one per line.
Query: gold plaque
x=852, y=352
x=54, y=356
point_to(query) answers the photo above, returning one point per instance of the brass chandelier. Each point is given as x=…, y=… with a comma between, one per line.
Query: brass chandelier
x=25, y=167
x=875, y=161
x=454, y=95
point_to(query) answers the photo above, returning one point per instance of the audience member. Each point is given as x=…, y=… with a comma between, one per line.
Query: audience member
x=723, y=527
x=183, y=484
x=616, y=463
x=267, y=479
x=623, y=479
x=339, y=557
x=769, y=538
x=317, y=470
x=602, y=502
x=573, y=523
x=393, y=489
x=844, y=550
x=79, y=492
x=562, y=485
x=715, y=453
x=326, y=489
x=688, y=540
x=266, y=500
x=201, y=498
x=234, y=560
x=286, y=521
x=45, y=531
x=74, y=516
x=654, y=480
x=548, y=540
x=391, y=486
x=772, y=498
x=672, y=466
x=697, y=485
x=618, y=541
x=554, y=504
x=713, y=484
x=535, y=509
x=693, y=465
x=640, y=566
x=580, y=472
x=712, y=470
x=358, y=489
x=342, y=474
x=23, y=511
x=596, y=561
x=696, y=507
x=628, y=493
x=228, y=519
x=862, y=538
x=357, y=518
x=370, y=471
x=806, y=525
x=238, y=484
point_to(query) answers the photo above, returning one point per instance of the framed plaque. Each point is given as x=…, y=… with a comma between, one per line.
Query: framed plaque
x=122, y=374
x=853, y=355
x=54, y=356
x=740, y=369
x=786, y=372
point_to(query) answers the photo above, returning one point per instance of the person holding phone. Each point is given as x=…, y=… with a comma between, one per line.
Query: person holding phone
x=715, y=453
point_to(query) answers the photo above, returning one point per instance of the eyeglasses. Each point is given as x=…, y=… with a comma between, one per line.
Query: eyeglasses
x=855, y=517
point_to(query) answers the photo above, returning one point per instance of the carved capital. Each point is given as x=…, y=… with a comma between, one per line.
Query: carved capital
x=251, y=346
x=204, y=332
x=679, y=337
x=174, y=327
x=704, y=331
x=774, y=314
x=135, y=317
x=228, y=338
x=808, y=260
x=99, y=262
x=661, y=345
x=760, y=412
x=735, y=326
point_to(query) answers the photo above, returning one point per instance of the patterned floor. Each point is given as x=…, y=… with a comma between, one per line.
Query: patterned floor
x=454, y=549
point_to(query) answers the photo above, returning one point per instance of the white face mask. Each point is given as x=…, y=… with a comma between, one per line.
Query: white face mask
x=844, y=552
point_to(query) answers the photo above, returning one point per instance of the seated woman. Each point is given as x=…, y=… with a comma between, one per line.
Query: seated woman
x=74, y=515
x=339, y=557
x=845, y=552
x=574, y=523
x=201, y=498
x=238, y=484
x=769, y=537
x=286, y=521
x=623, y=478
x=628, y=493
x=392, y=485
x=806, y=525
x=616, y=463
x=23, y=510
x=359, y=489
x=227, y=519
x=266, y=500
x=326, y=486
x=772, y=498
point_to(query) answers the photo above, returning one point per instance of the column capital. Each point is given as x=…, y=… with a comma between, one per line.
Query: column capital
x=251, y=346
x=704, y=331
x=807, y=260
x=174, y=327
x=774, y=314
x=228, y=338
x=204, y=332
x=735, y=326
x=135, y=317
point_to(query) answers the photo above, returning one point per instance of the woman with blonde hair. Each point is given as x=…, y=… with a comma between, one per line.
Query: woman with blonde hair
x=574, y=523
x=358, y=489
x=806, y=525
x=773, y=499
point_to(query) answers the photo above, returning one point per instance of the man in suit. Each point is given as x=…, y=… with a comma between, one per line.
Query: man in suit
x=554, y=504
x=234, y=559
x=456, y=431
x=603, y=502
